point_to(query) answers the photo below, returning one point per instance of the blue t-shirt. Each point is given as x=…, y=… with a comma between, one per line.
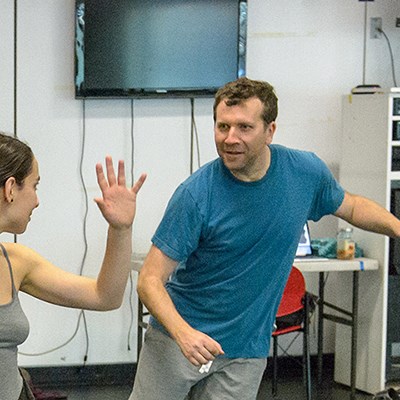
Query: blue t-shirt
x=235, y=243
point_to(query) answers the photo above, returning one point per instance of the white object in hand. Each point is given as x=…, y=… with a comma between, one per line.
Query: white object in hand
x=205, y=367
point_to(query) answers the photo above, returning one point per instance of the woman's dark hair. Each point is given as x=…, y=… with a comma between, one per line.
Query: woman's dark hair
x=16, y=159
x=244, y=88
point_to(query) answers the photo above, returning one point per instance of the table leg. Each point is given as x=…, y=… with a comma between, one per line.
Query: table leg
x=321, y=294
x=139, y=328
x=354, y=333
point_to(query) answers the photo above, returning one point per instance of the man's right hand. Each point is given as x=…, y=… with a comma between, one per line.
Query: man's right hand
x=198, y=347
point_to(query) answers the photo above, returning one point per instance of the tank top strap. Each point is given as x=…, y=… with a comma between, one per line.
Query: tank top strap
x=9, y=266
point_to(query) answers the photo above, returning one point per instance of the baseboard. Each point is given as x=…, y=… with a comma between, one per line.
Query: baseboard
x=123, y=374
x=90, y=375
x=292, y=366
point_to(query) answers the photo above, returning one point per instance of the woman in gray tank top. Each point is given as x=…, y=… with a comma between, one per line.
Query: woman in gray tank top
x=22, y=269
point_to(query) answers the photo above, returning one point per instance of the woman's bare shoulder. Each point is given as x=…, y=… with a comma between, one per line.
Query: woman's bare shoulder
x=20, y=254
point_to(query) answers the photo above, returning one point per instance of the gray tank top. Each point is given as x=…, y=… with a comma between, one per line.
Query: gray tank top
x=14, y=329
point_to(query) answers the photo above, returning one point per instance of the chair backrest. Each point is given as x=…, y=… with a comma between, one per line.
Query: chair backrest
x=292, y=298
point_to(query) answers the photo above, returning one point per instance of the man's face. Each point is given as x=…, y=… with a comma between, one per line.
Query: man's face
x=241, y=138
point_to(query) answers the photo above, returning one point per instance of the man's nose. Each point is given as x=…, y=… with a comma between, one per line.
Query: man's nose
x=232, y=135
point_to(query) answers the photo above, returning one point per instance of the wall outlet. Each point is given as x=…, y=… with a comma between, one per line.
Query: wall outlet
x=376, y=26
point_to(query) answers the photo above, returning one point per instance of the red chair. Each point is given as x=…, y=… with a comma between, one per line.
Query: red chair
x=294, y=316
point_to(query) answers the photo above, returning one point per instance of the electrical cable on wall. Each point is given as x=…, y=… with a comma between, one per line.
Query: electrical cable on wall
x=84, y=187
x=132, y=136
x=82, y=314
x=365, y=43
x=391, y=56
x=193, y=135
x=61, y=345
x=15, y=79
x=84, y=220
x=15, y=68
x=378, y=29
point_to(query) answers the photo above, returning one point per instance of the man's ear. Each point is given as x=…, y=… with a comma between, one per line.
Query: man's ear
x=9, y=188
x=271, y=128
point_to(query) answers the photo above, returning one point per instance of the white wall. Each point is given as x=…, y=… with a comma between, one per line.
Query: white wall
x=311, y=51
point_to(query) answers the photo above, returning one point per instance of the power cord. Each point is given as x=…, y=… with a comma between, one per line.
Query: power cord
x=391, y=55
x=84, y=221
x=82, y=312
x=194, y=136
x=15, y=79
x=131, y=289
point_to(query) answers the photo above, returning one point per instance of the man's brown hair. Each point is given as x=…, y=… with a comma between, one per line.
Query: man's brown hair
x=244, y=88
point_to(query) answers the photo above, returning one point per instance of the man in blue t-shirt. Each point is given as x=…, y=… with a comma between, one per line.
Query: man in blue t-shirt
x=223, y=251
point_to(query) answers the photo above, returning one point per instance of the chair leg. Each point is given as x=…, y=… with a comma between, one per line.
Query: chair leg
x=275, y=366
x=306, y=342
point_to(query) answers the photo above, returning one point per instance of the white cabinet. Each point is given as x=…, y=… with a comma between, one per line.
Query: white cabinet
x=369, y=125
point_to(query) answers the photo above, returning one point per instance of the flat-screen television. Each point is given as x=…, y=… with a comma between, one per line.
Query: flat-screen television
x=158, y=48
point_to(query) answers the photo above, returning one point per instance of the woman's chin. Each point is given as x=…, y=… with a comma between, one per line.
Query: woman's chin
x=20, y=230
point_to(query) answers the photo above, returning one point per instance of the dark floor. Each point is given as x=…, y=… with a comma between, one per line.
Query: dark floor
x=291, y=389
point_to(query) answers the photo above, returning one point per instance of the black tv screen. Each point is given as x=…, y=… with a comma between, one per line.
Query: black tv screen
x=158, y=48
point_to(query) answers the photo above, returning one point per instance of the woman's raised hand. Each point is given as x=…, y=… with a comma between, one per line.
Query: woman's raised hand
x=118, y=204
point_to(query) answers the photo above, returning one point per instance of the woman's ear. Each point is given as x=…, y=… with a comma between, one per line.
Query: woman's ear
x=9, y=188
